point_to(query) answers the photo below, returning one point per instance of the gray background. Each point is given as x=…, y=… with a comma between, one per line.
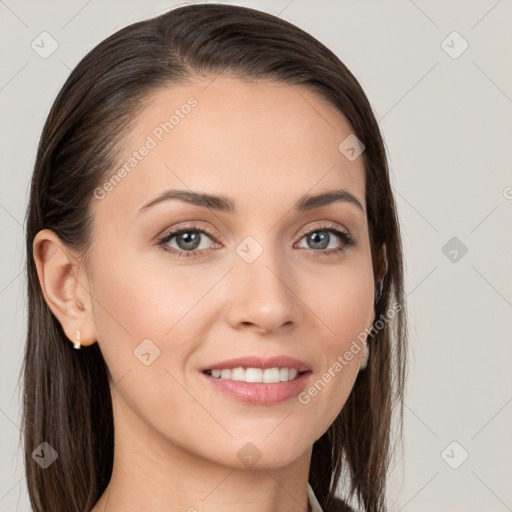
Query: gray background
x=445, y=116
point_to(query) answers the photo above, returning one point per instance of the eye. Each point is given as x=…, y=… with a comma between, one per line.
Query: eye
x=320, y=239
x=188, y=239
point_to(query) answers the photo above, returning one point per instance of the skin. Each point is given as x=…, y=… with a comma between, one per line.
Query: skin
x=264, y=145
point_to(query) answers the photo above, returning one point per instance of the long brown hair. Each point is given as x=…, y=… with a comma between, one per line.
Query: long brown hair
x=66, y=395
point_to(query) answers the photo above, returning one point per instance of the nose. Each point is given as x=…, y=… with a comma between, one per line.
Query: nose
x=261, y=294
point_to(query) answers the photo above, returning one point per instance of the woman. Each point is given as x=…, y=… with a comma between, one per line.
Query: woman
x=211, y=224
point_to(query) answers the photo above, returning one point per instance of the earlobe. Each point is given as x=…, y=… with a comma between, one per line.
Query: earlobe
x=66, y=296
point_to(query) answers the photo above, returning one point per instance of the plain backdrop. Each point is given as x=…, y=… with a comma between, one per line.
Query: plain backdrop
x=439, y=79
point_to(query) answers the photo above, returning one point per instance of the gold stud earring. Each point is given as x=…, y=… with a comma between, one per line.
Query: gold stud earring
x=76, y=344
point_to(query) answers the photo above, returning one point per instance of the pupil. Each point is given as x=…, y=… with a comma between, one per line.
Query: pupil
x=322, y=237
x=190, y=241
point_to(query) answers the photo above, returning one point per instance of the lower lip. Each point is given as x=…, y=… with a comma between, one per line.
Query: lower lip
x=259, y=393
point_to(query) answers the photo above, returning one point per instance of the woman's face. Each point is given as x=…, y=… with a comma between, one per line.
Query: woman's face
x=257, y=285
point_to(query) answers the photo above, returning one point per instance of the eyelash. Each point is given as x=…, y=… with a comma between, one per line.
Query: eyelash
x=346, y=238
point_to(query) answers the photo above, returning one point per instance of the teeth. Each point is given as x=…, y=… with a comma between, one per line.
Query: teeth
x=269, y=375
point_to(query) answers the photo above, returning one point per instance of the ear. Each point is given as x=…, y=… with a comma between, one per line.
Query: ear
x=65, y=286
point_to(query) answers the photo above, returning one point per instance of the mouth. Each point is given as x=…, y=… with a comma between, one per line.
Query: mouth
x=256, y=375
x=256, y=386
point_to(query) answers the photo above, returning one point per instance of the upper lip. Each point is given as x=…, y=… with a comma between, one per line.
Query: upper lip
x=260, y=362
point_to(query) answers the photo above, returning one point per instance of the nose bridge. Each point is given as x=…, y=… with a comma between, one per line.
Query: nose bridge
x=263, y=294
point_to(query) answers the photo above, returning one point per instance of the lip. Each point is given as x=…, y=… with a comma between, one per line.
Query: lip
x=281, y=361
x=260, y=393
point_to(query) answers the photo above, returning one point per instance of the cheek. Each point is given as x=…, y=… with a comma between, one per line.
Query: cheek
x=139, y=312
x=343, y=300
x=127, y=302
x=132, y=292
x=344, y=306
x=139, y=299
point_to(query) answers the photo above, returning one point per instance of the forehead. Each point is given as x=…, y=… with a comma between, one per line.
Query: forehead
x=257, y=140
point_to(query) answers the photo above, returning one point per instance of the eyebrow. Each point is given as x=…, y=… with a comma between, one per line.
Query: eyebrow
x=225, y=204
